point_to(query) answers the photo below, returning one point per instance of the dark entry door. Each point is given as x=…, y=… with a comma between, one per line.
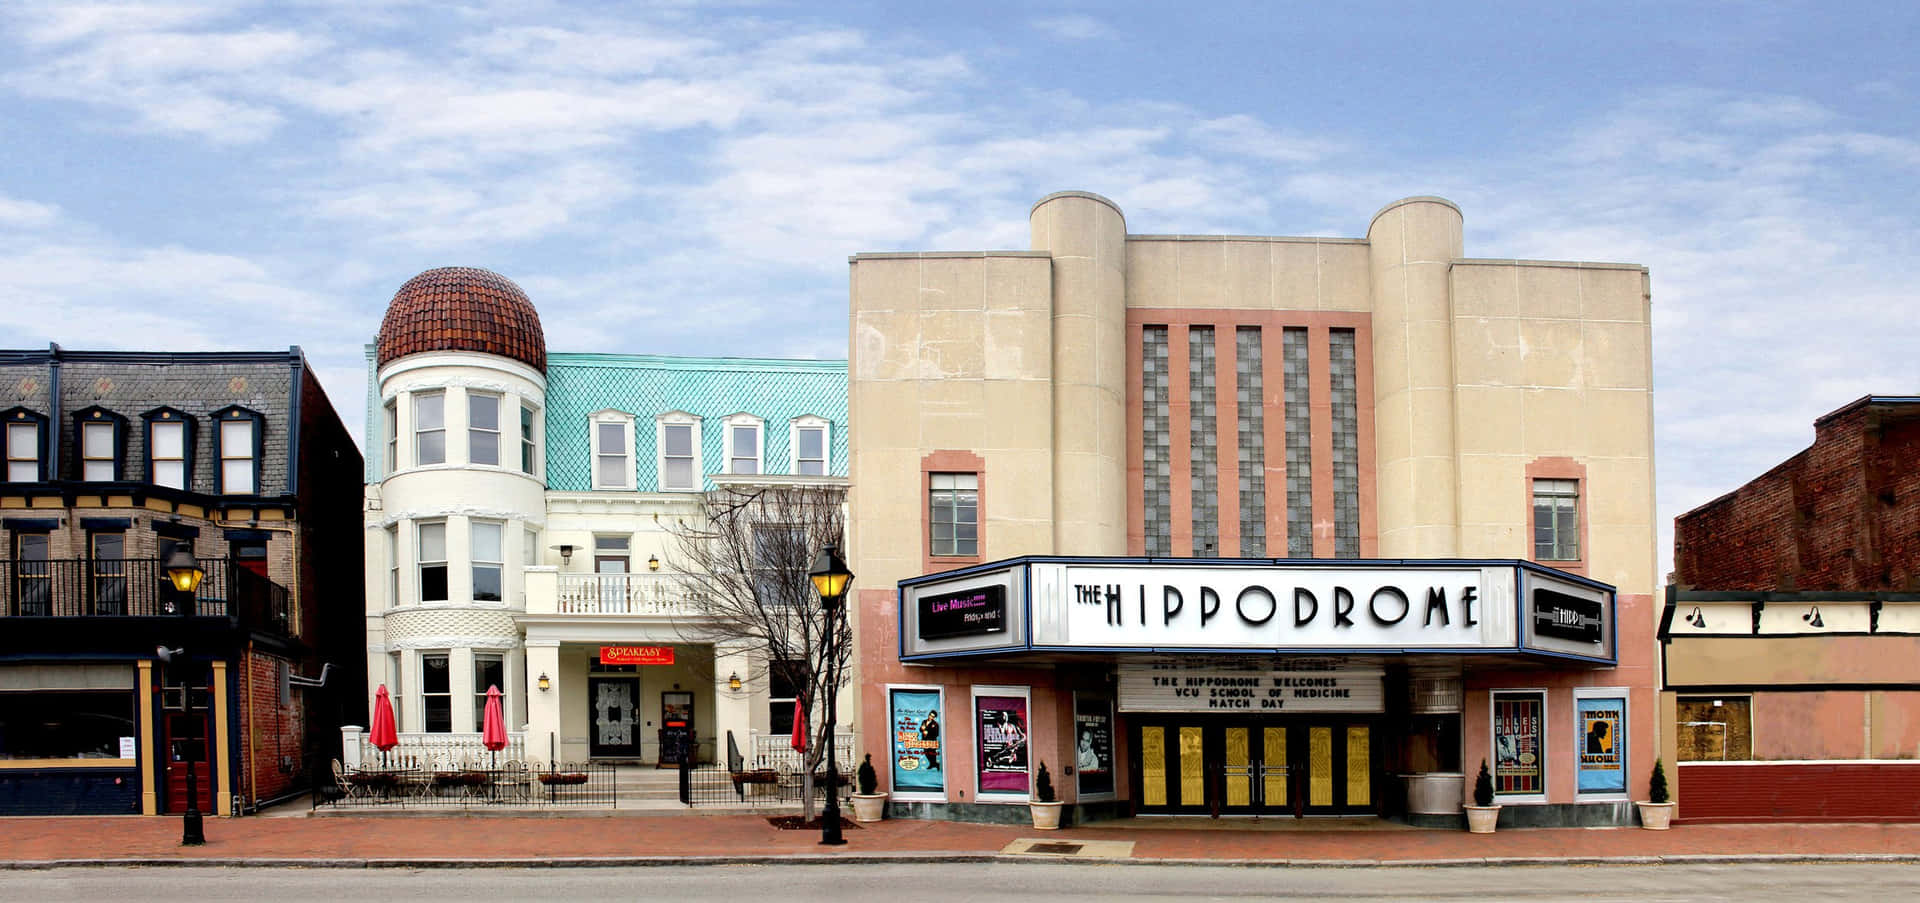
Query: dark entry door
x=616, y=712
x=186, y=741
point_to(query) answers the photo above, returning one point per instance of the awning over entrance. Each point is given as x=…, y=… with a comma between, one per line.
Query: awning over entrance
x=1049, y=605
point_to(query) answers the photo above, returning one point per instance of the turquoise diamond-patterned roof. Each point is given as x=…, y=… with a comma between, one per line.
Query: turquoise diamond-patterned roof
x=646, y=386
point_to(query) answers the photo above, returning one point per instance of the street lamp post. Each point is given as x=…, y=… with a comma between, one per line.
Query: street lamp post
x=830, y=578
x=183, y=571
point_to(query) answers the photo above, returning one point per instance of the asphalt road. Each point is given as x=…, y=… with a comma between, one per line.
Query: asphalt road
x=934, y=883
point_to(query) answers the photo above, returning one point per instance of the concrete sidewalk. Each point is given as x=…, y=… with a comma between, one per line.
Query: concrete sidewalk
x=456, y=841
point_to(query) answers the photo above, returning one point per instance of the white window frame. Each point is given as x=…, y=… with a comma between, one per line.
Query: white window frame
x=393, y=565
x=624, y=422
x=475, y=562
x=480, y=692
x=801, y=424
x=732, y=425
x=1546, y=734
x=529, y=439
x=392, y=408
x=1625, y=746
x=422, y=660
x=474, y=432
x=421, y=562
x=946, y=748
x=660, y=424
x=973, y=742
x=245, y=453
x=23, y=454
x=417, y=400
x=154, y=458
x=97, y=465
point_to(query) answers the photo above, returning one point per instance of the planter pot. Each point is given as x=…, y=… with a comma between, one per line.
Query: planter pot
x=1482, y=819
x=1046, y=816
x=869, y=806
x=1656, y=816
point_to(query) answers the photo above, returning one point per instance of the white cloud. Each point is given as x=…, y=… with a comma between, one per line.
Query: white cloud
x=18, y=213
x=1075, y=28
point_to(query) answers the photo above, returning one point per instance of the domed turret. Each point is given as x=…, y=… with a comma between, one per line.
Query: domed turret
x=462, y=309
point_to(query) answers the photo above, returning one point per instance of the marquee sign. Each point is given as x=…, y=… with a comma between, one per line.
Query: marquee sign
x=964, y=613
x=636, y=655
x=1169, y=686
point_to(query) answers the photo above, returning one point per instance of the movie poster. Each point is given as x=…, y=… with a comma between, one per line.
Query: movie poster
x=917, y=766
x=1093, y=753
x=1001, y=725
x=1518, y=766
x=1603, y=744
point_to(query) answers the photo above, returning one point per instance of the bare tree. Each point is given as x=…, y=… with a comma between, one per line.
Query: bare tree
x=745, y=562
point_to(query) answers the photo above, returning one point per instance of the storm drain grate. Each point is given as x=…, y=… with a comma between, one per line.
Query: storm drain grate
x=1057, y=849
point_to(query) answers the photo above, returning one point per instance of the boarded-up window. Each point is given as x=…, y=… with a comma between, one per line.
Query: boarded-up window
x=1715, y=728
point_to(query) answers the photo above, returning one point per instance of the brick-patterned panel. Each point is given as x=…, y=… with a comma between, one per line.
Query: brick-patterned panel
x=271, y=733
x=1840, y=791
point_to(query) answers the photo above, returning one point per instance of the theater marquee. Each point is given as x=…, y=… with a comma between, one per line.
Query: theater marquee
x=1133, y=605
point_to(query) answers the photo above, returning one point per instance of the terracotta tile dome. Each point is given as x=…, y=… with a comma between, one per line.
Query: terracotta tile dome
x=462, y=309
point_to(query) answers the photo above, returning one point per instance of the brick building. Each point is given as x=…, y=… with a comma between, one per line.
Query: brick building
x=1791, y=629
x=111, y=681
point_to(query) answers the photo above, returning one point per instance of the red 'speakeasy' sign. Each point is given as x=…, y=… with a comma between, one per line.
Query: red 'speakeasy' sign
x=636, y=655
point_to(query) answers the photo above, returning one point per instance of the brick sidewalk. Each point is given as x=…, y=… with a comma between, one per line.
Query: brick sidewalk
x=31, y=840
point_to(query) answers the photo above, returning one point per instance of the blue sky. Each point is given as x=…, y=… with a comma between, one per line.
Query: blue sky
x=689, y=178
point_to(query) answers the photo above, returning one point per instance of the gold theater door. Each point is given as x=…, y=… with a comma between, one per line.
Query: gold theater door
x=1207, y=766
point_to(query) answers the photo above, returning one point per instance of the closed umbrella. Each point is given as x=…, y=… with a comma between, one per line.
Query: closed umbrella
x=493, y=725
x=799, y=741
x=384, y=735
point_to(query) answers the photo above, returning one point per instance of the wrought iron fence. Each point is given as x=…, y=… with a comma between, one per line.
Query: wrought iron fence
x=773, y=776
x=137, y=588
x=414, y=784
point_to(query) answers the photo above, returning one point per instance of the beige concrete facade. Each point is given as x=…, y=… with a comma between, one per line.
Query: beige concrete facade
x=1475, y=376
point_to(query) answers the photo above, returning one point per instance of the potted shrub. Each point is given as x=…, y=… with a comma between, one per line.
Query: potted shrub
x=1656, y=813
x=1045, y=809
x=868, y=805
x=1483, y=815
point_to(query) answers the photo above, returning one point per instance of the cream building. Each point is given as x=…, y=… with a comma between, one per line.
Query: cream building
x=1092, y=479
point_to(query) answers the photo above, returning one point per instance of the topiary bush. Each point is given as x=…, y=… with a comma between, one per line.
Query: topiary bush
x=1043, y=785
x=1657, y=784
x=1483, y=786
x=868, y=780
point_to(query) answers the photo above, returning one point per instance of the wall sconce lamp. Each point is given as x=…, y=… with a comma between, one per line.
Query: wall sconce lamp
x=566, y=552
x=1697, y=619
x=653, y=562
x=545, y=684
x=1812, y=617
x=733, y=681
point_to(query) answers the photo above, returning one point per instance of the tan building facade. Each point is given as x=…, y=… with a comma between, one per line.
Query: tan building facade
x=1098, y=477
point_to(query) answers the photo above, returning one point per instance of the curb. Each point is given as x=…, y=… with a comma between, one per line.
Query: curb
x=939, y=857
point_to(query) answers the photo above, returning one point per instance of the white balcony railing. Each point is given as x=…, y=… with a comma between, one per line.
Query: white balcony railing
x=660, y=595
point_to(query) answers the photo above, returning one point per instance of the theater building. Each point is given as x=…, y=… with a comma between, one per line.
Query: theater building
x=1791, y=629
x=519, y=519
x=1218, y=525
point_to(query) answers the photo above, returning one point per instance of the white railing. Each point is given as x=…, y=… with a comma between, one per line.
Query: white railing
x=776, y=751
x=660, y=595
x=419, y=749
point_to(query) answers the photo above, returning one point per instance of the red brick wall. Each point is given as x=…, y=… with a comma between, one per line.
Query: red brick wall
x=271, y=734
x=1842, y=515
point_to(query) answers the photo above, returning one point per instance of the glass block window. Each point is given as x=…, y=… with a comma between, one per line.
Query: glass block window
x=1342, y=370
x=1250, y=416
x=1156, y=440
x=1202, y=432
x=1556, y=520
x=1294, y=389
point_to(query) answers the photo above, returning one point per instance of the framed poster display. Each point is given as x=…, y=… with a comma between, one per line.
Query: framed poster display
x=1000, y=747
x=919, y=770
x=1093, y=744
x=1600, y=739
x=1519, y=747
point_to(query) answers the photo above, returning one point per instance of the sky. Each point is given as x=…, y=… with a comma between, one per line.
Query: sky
x=690, y=177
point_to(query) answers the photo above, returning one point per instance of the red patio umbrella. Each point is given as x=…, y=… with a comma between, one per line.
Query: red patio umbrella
x=493, y=725
x=799, y=741
x=384, y=735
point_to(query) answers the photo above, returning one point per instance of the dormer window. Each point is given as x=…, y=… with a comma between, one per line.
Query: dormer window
x=678, y=441
x=26, y=441
x=102, y=436
x=744, y=440
x=807, y=437
x=237, y=447
x=169, y=448
x=612, y=450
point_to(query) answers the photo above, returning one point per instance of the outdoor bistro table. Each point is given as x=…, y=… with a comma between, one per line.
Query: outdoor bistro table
x=379, y=783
